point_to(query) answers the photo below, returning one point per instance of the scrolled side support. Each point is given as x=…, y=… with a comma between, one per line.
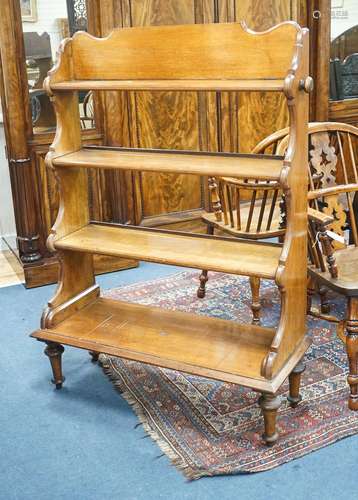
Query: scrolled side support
x=291, y=275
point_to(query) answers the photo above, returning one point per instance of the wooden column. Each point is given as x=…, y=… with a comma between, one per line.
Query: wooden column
x=17, y=118
x=319, y=24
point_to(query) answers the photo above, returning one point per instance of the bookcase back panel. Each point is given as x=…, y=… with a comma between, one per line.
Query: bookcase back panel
x=185, y=52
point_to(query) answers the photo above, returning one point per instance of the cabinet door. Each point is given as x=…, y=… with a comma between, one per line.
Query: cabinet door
x=249, y=117
x=166, y=120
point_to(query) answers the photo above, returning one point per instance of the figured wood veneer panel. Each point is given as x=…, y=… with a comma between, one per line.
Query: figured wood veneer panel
x=255, y=115
x=168, y=120
x=158, y=12
x=264, y=112
x=259, y=17
x=165, y=119
x=236, y=257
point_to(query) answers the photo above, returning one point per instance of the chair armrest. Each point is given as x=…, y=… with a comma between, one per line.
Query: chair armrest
x=322, y=221
x=320, y=193
x=319, y=217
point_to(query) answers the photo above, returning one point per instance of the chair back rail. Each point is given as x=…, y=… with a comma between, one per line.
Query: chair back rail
x=333, y=162
x=249, y=206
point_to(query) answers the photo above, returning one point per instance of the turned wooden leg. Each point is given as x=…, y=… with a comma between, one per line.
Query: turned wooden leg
x=294, y=378
x=54, y=352
x=325, y=307
x=255, y=299
x=311, y=289
x=94, y=355
x=203, y=278
x=269, y=404
x=352, y=351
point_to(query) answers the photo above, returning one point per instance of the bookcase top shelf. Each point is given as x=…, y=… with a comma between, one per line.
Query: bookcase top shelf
x=188, y=250
x=263, y=167
x=186, y=57
x=275, y=85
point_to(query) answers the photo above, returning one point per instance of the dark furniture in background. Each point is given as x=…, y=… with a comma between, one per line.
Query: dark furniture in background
x=343, y=104
x=344, y=78
x=77, y=15
x=345, y=44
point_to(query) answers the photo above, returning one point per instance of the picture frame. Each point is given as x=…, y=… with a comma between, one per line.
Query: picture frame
x=29, y=10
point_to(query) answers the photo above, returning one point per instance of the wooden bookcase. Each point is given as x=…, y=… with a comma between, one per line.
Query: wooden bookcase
x=215, y=57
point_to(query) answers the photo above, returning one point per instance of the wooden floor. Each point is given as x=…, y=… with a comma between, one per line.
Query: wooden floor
x=10, y=269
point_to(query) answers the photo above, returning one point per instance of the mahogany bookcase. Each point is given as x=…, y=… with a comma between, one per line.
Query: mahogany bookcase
x=212, y=57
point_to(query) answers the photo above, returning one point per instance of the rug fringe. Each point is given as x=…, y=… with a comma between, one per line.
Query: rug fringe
x=175, y=459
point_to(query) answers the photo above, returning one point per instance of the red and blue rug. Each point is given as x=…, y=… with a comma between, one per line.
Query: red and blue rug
x=210, y=428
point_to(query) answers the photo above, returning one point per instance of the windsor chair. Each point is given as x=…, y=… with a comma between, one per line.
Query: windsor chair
x=244, y=209
x=333, y=240
x=87, y=117
x=263, y=215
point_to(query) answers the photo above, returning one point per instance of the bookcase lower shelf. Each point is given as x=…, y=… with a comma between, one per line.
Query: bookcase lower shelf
x=200, y=345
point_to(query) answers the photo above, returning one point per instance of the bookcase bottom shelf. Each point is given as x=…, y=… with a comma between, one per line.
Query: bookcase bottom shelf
x=200, y=345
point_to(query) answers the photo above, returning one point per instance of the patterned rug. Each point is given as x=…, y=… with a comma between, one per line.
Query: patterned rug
x=210, y=428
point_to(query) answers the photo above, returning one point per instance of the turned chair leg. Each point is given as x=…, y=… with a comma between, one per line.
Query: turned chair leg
x=94, y=356
x=269, y=404
x=203, y=278
x=352, y=351
x=294, y=378
x=325, y=307
x=255, y=299
x=54, y=352
x=311, y=289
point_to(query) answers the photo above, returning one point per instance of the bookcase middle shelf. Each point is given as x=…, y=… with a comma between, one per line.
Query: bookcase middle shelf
x=256, y=167
x=182, y=249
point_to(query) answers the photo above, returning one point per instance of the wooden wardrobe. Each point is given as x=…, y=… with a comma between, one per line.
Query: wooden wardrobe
x=205, y=121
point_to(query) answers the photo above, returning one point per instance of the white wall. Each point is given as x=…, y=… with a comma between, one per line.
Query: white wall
x=48, y=11
x=344, y=16
x=7, y=219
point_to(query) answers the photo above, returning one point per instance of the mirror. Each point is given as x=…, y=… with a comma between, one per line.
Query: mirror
x=43, y=31
x=344, y=50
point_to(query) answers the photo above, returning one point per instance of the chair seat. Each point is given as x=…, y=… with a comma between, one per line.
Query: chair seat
x=209, y=218
x=347, y=264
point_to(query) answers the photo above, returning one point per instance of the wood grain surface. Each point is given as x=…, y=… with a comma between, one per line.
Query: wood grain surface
x=225, y=255
x=188, y=51
x=218, y=348
x=226, y=121
x=244, y=167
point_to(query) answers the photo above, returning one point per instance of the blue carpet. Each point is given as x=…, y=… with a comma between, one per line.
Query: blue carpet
x=80, y=443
